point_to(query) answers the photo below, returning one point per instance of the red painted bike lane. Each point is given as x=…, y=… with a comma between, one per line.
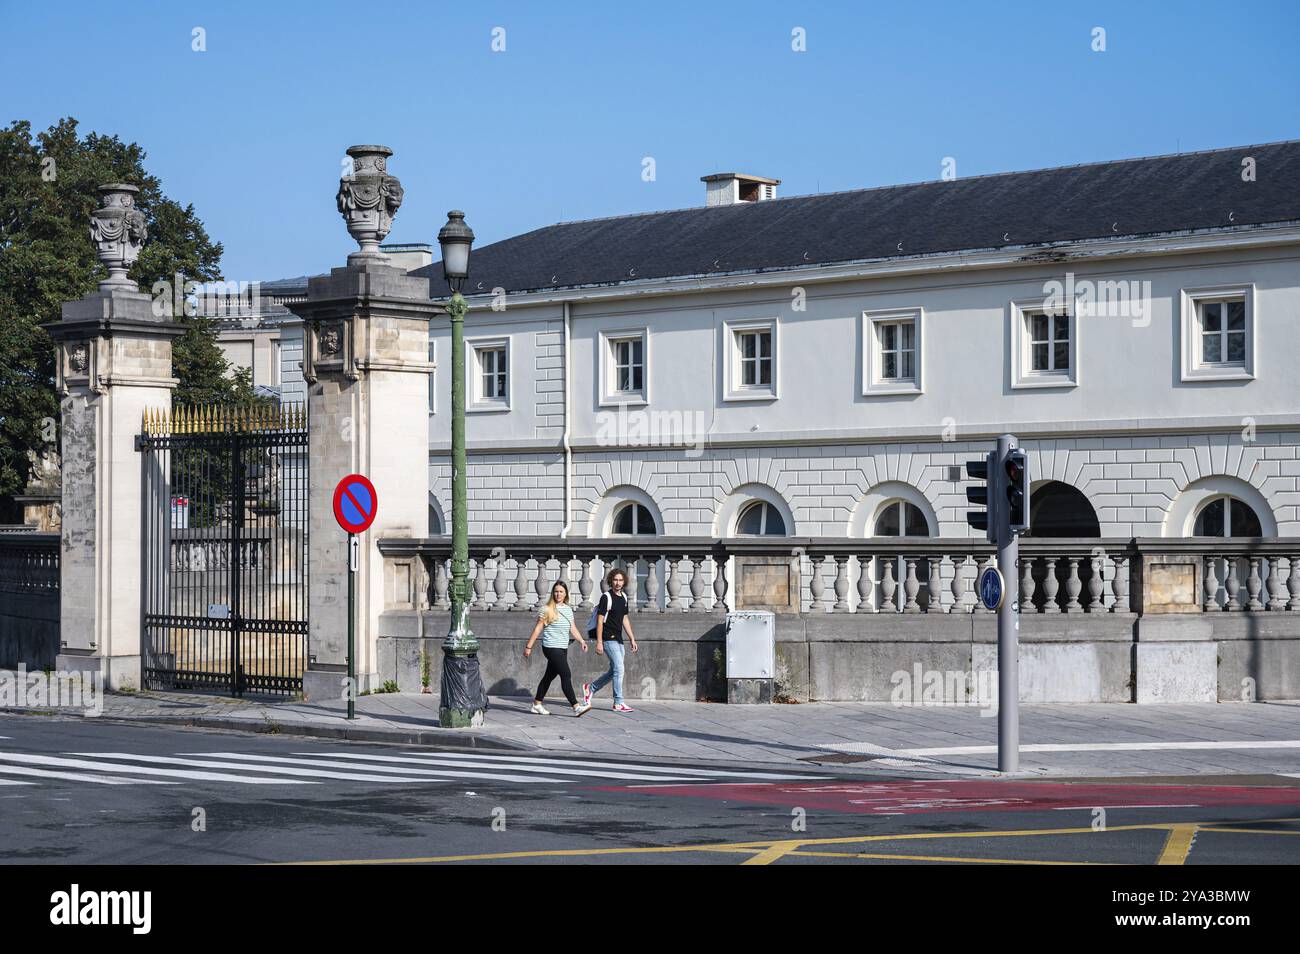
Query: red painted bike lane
x=905, y=798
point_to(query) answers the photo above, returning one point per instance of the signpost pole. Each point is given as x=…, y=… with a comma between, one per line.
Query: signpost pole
x=352, y=624
x=1008, y=544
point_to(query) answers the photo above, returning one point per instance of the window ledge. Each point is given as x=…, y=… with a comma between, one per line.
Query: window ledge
x=624, y=400
x=1045, y=381
x=892, y=387
x=762, y=394
x=1219, y=374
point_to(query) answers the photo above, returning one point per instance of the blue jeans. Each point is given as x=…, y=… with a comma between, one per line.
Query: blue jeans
x=615, y=673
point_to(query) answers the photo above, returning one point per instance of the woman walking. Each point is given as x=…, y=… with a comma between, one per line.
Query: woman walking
x=611, y=623
x=555, y=625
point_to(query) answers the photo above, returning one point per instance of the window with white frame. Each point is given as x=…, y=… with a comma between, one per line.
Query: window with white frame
x=489, y=374
x=634, y=519
x=1227, y=517
x=900, y=518
x=892, y=353
x=760, y=519
x=1218, y=333
x=624, y=371
x=1044, y=346
x=751, y=360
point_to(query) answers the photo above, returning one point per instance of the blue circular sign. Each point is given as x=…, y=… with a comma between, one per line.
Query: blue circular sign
x=355, y=503
x=992, y=588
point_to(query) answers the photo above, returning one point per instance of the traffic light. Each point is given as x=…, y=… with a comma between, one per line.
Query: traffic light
x=1016, y=467
x=982, y=519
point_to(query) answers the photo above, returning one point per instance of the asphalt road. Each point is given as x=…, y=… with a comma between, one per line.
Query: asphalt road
x=78, y=791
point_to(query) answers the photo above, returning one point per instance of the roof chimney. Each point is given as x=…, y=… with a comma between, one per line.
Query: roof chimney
x=728, y=188
x=409, y=255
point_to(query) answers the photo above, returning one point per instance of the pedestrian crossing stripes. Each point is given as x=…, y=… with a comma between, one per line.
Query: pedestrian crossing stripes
x=325, y=766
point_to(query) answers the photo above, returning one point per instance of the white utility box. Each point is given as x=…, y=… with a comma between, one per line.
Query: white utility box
x=751, y=656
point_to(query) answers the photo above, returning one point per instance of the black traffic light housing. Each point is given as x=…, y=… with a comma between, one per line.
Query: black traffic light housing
x=984, y=497
x=1016, y=484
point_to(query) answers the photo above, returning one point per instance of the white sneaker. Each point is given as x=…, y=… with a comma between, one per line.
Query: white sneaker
x=539, y=709
x=582, y=709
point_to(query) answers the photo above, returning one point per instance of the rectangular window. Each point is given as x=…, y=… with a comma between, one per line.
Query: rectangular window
x=1218, y=333
x=755, y=349
x=629, y=366
x=1045, y=347
x=487, y=374
x=897, y=350
x=492, y=371
x=891, y=351
x=749, y=354
x=1223, y=332
x=1049, y=342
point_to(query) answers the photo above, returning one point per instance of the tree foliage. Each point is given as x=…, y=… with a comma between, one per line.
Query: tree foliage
x=48, y=184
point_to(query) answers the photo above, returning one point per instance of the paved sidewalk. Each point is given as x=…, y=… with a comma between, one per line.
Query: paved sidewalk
x=947, y=741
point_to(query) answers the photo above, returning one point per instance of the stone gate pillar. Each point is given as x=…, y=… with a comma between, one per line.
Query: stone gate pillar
x=114, y=361
x=366, y=362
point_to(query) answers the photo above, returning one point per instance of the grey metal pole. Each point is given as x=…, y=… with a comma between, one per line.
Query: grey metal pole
x=1008, y=545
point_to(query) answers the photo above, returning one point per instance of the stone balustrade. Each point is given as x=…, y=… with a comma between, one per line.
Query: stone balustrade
x=883, y=575
x=29, y=563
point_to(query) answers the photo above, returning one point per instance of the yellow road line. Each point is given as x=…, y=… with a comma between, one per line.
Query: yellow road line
x=772, y=852
x=1178, y=845
x=946, y=859
x=1256, y=831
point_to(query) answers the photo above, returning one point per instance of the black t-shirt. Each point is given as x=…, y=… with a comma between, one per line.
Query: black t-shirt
x=614, y=608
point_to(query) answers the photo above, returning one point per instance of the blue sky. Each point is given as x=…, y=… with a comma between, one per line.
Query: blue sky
x=252, y=131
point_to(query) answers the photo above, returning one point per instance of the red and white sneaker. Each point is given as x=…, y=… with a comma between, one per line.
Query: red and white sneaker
x=586, y=693
x=619, y=707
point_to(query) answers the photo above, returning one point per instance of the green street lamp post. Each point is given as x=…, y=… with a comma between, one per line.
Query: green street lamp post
x=462, y=699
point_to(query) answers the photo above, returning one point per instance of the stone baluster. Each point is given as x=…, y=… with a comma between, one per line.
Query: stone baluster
x=1119, y=584
x=1073, y=586
x=719, y=584
x=1026, y=584
x=1254, y=585
x=1211, y=586
x=480, y=585
x=1275, y=601
x=887, y=586
x=542, y=585
x=675, y=599
x=958, y=586
x=1232, y=585
x=817, y=586
x=652, y=584
x=499, y=584
x=911, y=586
x=841, y=583
x=933, y=599
x=697, y=584
x=441, y=585
x=865, y=585
x=521, y=583
x=1051, y=583
x=1293, y=583
x=1096, y=604
x=585, y=584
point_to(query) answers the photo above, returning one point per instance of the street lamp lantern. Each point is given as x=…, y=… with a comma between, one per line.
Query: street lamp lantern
x=455, y=238
x=462, y=699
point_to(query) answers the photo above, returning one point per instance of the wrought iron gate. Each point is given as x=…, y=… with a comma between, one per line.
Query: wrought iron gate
x=225, y=548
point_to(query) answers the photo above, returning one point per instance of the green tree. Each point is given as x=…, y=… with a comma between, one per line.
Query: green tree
x=48, y=185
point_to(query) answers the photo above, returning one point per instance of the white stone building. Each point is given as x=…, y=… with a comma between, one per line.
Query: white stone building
x=821, y=365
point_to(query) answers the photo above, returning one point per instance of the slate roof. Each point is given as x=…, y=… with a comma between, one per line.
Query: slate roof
x=1132, y=197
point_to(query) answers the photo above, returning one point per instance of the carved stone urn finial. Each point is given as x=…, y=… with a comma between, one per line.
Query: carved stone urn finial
x=368, y=199
x=118, y=230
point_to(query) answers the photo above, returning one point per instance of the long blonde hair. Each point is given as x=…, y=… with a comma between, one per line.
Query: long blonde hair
x=551, y=611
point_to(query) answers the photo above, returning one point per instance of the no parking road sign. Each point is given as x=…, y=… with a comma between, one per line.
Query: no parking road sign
x=355, y=503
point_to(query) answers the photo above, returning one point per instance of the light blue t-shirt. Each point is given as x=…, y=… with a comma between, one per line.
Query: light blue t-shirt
x=556, y=635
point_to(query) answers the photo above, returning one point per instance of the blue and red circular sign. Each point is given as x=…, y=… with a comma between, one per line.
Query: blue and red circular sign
x=355, y=503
